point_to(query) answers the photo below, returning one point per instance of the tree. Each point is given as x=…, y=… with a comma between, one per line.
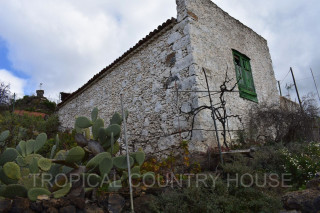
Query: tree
x=5, y=94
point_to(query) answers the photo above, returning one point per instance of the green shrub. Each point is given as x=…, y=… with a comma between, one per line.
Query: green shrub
x=303, y=163
x=26, y=127
x=215, y=198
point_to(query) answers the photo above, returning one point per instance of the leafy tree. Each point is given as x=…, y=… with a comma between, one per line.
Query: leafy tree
x=5, y=94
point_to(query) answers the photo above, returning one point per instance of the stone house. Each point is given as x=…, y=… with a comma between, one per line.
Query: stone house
x=160, y=74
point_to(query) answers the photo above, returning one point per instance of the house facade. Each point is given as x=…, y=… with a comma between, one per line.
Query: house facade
x=162, y=80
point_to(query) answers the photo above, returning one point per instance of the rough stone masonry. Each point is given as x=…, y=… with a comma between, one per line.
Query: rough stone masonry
x=171, y=58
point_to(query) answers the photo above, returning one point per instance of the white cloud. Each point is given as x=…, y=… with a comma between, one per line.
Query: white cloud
x=291, y=28
x=62, y=44
x=16, y=84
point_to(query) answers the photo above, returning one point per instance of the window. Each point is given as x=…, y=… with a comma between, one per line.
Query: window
x=244, y=76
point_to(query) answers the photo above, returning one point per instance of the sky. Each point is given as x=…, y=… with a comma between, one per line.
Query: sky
x=63, y=43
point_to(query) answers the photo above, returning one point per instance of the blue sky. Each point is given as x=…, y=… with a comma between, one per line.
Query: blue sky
x=62, y=44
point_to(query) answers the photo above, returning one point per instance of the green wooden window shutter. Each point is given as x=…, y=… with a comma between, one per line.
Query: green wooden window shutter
x=244, y=76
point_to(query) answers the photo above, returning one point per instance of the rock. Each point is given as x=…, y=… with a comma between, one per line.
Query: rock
x=174, y=37
x=68, y=209
x=154, y=190
x=95, y=147
x=36, y=206
x=63, y=202
x=52, y=210
x=20, y=205
x=56, y=203
x=158, y=107
x=76, y=192
x=186, y=107
x=45, y=204
x=141, y=204
x=314, y=184
x=81, y=140
x=77, y=189
x=93, y=209
x=305, y=201
x=5, y=205
x=79, y=202
x=115, y=203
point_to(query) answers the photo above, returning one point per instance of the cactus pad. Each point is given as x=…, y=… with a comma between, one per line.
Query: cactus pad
x=33, y=182
x=121, y=162
x=115, y=129
x=34, y=166
x=75, y=155
x=116, y=119
x=12, y=170
x=35, y=192
x=105, y=166
x=44, y=164
x=22, y=148
x=62, y=192
x=30, y=146
x=83, y=122
x=15, y=190
x=99, y=123
x=102, y=136
x=135, y=170
x=40, y=141
x=116, y=148
x=139, y=157
x=28, y=159
x=4, y=179
x=94, y=114
x=8, y=155
x=95, y=161
x=21, y=161
x=53, y=150
x=61, y=155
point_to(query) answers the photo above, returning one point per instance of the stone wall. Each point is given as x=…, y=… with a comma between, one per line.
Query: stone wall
x=213, y=36
x=147, y=78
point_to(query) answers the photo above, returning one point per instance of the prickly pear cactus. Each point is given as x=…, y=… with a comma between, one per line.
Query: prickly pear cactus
x=19, y=164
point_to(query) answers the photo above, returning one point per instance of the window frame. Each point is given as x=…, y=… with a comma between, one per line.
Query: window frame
x=246, y=86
